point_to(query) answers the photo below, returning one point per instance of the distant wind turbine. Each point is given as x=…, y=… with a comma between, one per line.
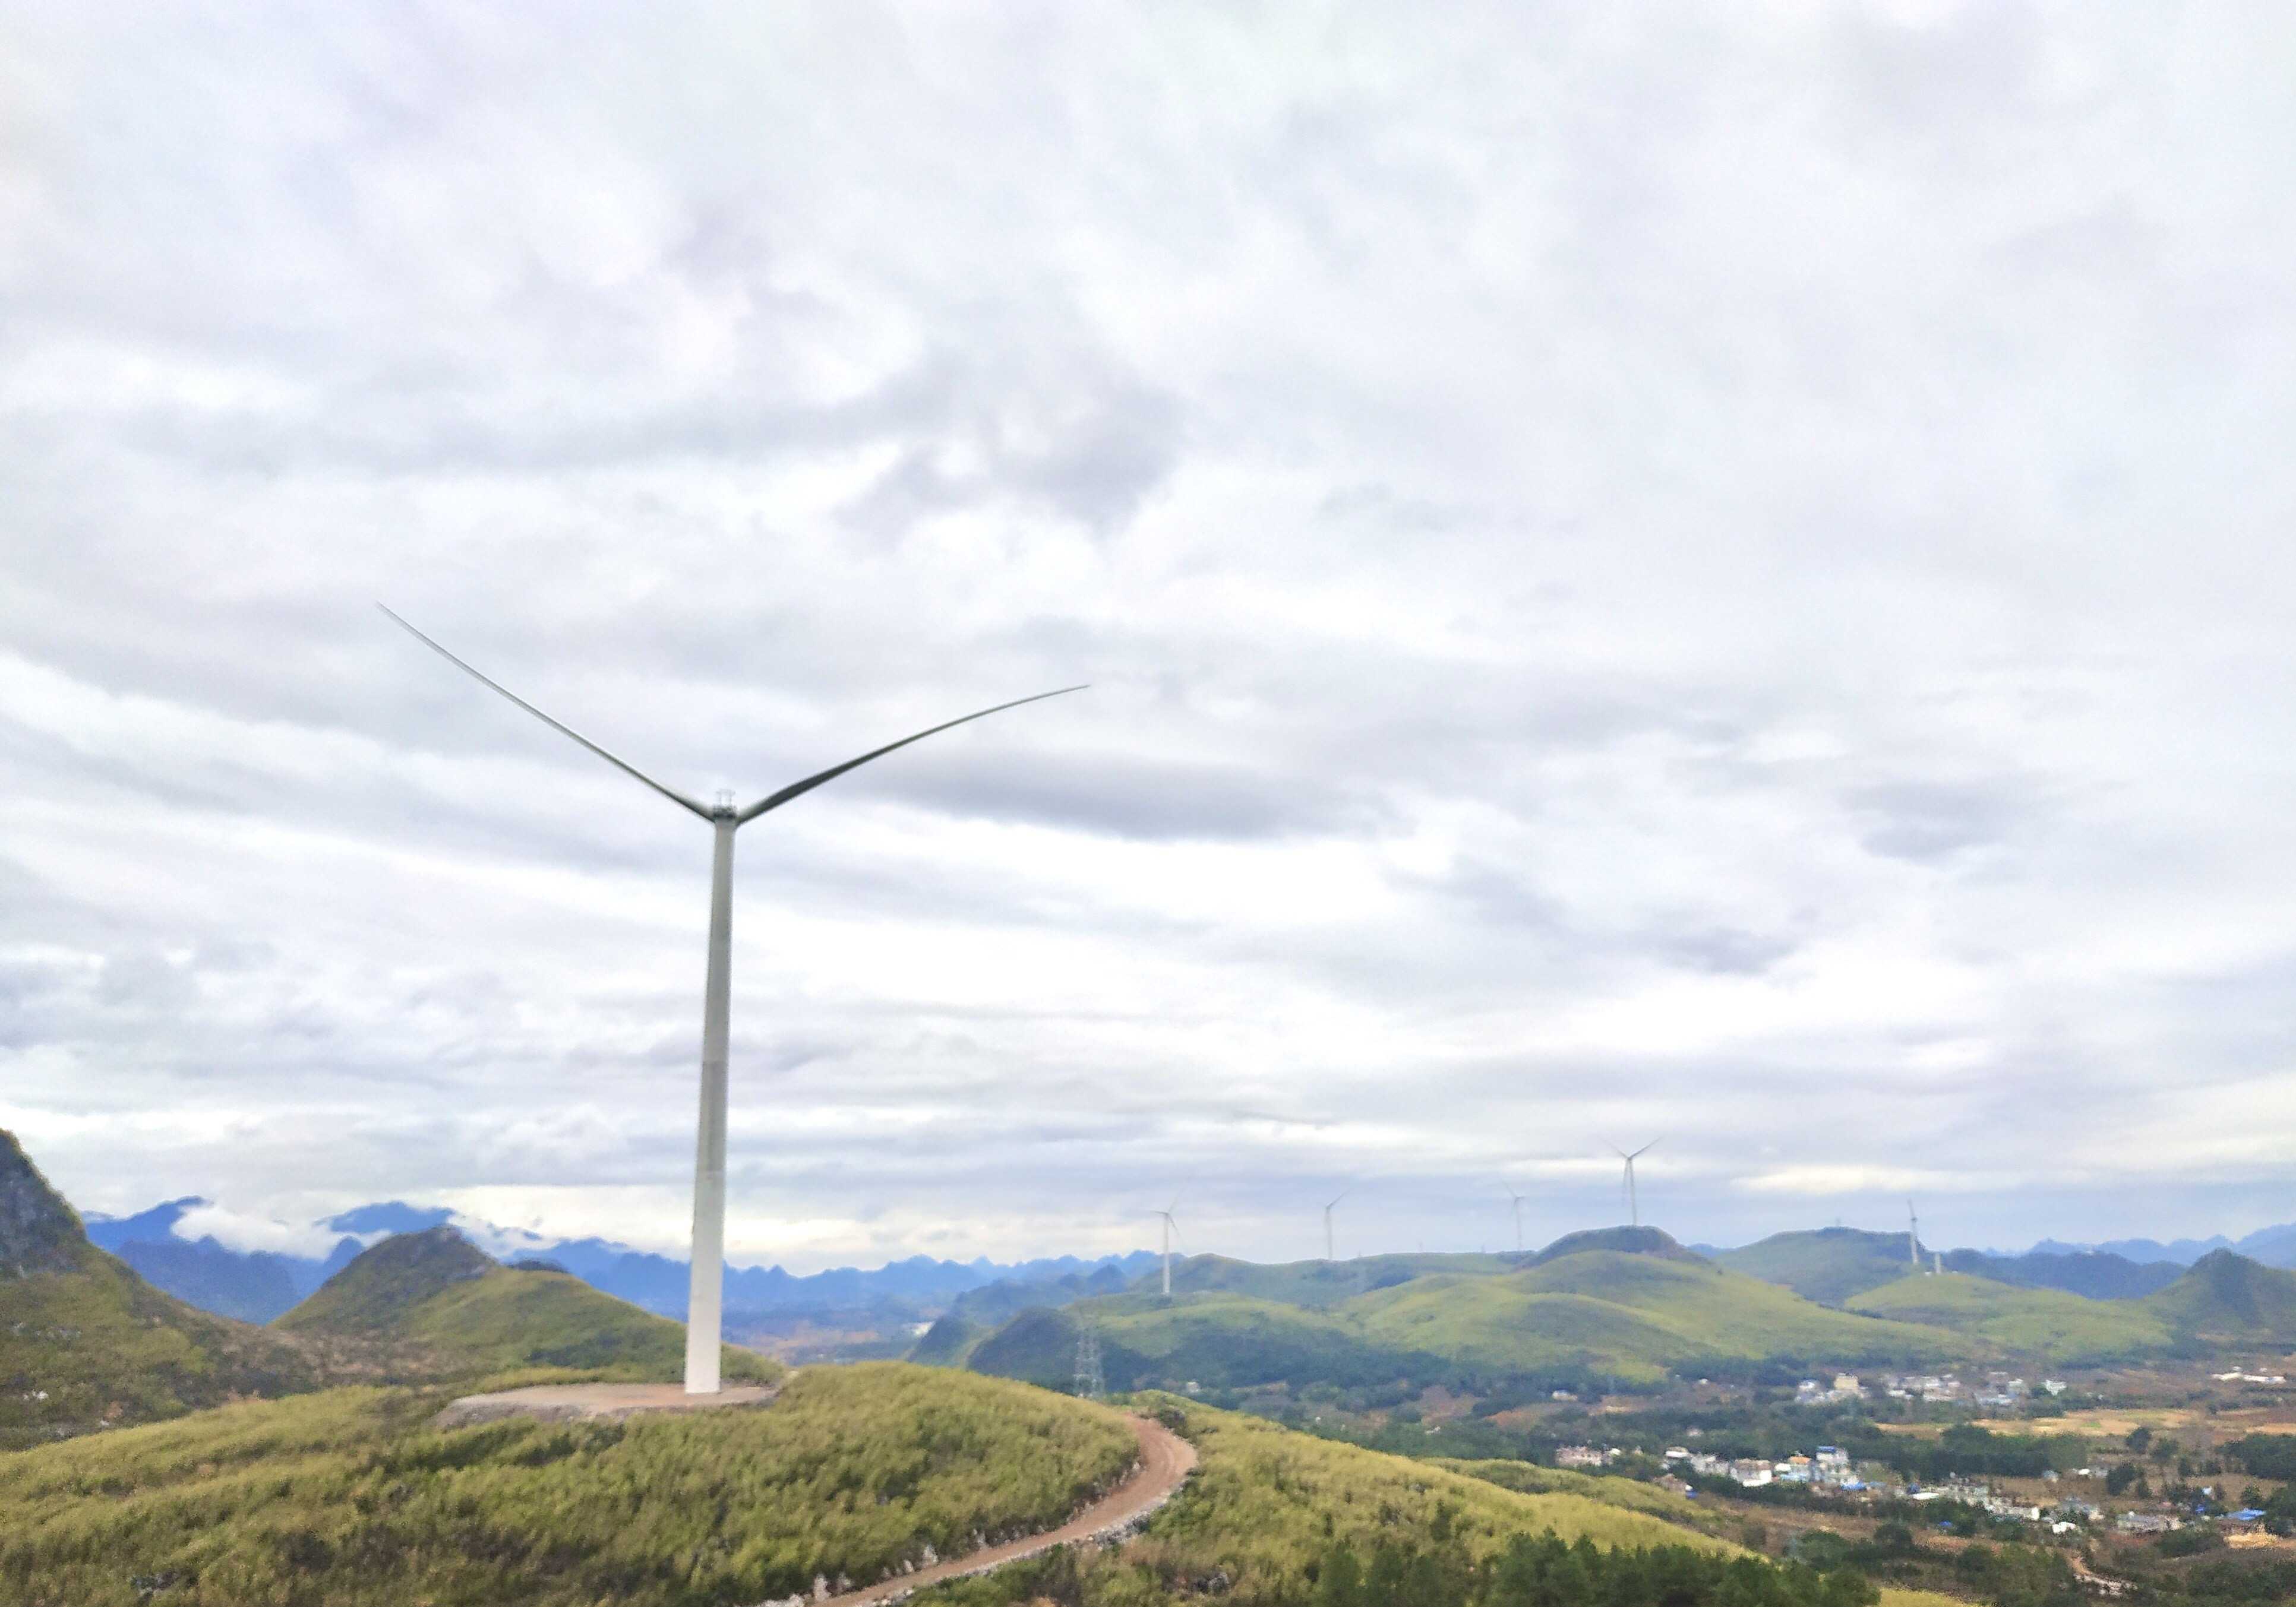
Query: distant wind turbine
x=1634, y=1200
x=1912, y=1235
x=1171, y=1232
x=1336, y=1198
x=1515, y=1200
x=707, y=1289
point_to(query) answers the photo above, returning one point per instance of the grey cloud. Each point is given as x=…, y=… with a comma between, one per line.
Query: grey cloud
x=1631, y=575
x=1926, y=822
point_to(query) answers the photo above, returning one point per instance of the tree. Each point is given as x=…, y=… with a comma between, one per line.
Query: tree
x=1338, y=1582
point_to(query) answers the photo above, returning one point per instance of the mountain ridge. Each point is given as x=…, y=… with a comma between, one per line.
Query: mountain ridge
x=89, y=1344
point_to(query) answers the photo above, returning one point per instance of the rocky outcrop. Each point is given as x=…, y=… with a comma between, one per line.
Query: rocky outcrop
x=38, y=1231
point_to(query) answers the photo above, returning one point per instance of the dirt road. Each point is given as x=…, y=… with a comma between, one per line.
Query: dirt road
x=1165, y=1461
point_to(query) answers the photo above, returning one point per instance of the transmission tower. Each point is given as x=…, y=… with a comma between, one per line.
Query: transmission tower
x=1088, y=1380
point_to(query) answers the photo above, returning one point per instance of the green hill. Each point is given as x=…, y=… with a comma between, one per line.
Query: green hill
x=1270, y=1508
x=1631, y=1316
x=946, y=1343
x=2226, y=1297
x=2063, y=1329
x=999, y=1302
x=85, y=1343
x=1828, y=1265
x=1219, y=1341
x=351, y=1498
x=1626, y=1241
x=433, y=1305
x=1315, y=1285
x=1636, y=1315
x=1631, y=1494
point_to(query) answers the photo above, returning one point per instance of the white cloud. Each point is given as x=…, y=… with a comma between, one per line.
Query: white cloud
x=237, y=1231
x=1714, y=575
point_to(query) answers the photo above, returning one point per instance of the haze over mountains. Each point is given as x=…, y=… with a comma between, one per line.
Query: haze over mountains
x=257, y=1285
x=1625, y=1307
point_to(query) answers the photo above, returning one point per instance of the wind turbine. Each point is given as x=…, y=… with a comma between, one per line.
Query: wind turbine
x=1516, y=1200
x=706, y=1290
x=1335, y=1199
x=1634, y=1200
x=1171, y=1231
x=1912, y=1235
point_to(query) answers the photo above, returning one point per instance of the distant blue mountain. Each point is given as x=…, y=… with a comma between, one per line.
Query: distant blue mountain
x=257, y=1285
x=110, y=1233
x=253, y=1286
x=659, y=1282
x=392, y=1216
x=2183, y=1253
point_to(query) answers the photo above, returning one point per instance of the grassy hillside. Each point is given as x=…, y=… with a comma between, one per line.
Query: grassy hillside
x=432, y=1305
x=992, y=1304
x=1828, y=1265
x=1630, y=1494
x=1606, y=1313
x=85, y=1343
x=1219, y=1341
x=2226, y=1297
x=348, y=1497
x=1270, y=1506
x=1316, y=1284
x=1629, y=1240
x=2065, y=1329
x=946, y=1343
x=1635, y=1316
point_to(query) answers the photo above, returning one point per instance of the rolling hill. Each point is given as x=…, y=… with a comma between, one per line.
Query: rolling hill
x=1219, y=1341
x=1270, y=1508
x=351, y=1497
x=1833, y=1264
x=1636, y=1315
x=2226, y=1299
x=1828, y=1265
x=1315, y=1285
x=1585, y=1315
x=2063, y=1329
x=85, y=1343
x=433, y=1305
x=2223, y=1298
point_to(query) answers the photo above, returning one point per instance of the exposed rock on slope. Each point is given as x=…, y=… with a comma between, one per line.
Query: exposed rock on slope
x=85, y=1343
x=38, y=1231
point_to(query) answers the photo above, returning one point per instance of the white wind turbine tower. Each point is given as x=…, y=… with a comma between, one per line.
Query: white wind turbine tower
x=1335, y=1199
x=1171, y=1232
x=1912, y=1236
x=1634, y=1200
x=703, y=1316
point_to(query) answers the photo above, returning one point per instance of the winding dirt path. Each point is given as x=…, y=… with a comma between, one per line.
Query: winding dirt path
x=1166, y=1460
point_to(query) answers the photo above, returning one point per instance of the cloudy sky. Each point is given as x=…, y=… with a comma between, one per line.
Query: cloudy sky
x=1717, y=574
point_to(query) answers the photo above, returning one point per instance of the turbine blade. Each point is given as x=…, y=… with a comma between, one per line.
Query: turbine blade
x=1651, y=1145
x=798, y=789
x=627, y=769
